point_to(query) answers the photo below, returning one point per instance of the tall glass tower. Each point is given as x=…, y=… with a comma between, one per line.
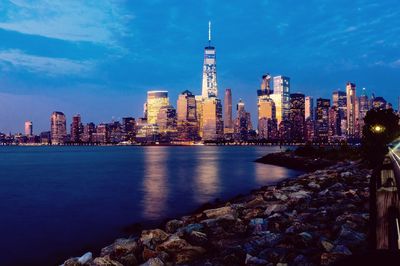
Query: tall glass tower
x=209, y=87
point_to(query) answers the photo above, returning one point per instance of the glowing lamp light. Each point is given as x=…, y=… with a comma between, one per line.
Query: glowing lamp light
x=378, y=129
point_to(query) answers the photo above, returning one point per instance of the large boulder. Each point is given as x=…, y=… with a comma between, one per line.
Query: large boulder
x=173, y=225
x=275, y=208
x=105, y=261
x=120, y=247
x=350, y=238
x=215, y=213
x=188, y=254
x=151, y=238
x=173, y=244
x=153, y=262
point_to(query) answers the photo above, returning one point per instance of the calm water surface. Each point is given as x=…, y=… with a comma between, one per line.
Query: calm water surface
x=57, y=202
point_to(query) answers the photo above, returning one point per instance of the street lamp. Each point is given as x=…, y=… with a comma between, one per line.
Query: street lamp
x=377, y=129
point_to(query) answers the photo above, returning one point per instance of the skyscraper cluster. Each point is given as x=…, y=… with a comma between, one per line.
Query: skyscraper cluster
x=282, y=116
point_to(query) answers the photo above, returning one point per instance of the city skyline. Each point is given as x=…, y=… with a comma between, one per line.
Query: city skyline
x=31, y=91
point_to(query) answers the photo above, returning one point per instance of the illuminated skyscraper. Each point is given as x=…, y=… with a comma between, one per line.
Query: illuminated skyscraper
x=309, y=108
x=339, y=100
x=209, y=86
x=186, y=107
x=166, y=119
x=322, y=119
x=88, y=131
x=58, y=128
x=199, y=114
x=213, y=125
x=351, y=109
x=76, y=128
x=128, y=128
x=281, y=98
x=296, y=116
x=228, y=122
x=187, y=124
x=28, y=128
x=267, y=125
x=243, y=121
x=155, y=100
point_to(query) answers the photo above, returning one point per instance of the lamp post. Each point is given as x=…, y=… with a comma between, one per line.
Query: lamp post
x=378, y=129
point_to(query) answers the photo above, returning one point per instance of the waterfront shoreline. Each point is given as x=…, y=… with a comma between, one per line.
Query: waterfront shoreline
x=294, y=221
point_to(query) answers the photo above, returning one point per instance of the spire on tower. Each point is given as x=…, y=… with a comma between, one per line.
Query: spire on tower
x=209, y=32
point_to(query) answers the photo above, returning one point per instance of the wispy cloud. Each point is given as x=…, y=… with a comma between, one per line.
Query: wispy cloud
x=44, y=65
x=99, y=22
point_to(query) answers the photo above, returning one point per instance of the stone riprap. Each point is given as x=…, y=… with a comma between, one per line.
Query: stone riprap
x=316, y=219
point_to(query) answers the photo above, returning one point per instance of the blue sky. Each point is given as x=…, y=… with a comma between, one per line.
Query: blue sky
x=98, y=58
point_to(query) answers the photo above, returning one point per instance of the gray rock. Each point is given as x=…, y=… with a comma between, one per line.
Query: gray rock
x=251, y=260
x=105, y=261
x=279, y=195
x=346, y=174
x=173, y=225
x=274, y=208
x=302, y=194
x=85, y=258
x=197, y=238
x=350, y=238
x=120, y=247
x=258, y=224
x=150, y=238
x=328, y=246
x=215, y=213
x=313, y=185
x=153, y=262
x=341, y=249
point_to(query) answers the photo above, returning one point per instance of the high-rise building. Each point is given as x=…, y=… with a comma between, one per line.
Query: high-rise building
x=213, y=124
x=228, y=120
x=199, y=114
x=339, y=100
x=88, y=131
x=281, y=98
x=265, y=88
x=351, y=109
x=28, y=128
x=243, y=121
x=309, y=108
x=58, y=128
x=115, y=132
x=322, y=119
x=155, y=101
x=128, y=128
x=209, y=86
x=267, y=124
x=186, y=107
x=187, y=124
x=334, y=123
x=102, y=134
x=76, y=128
x=297, y=116
x=166, y=119
x=363, y=104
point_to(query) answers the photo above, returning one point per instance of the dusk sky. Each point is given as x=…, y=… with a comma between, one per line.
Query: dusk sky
x=98, y=58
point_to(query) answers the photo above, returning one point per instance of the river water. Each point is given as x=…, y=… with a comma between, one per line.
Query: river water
x=58, y=202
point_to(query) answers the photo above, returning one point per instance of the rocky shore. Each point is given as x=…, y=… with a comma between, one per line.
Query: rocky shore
x=290, y=160
x=317, y=219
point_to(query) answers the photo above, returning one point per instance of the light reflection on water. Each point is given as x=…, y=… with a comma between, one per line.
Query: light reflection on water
x=206, y=178
x=174, y=177
x=155, y=183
